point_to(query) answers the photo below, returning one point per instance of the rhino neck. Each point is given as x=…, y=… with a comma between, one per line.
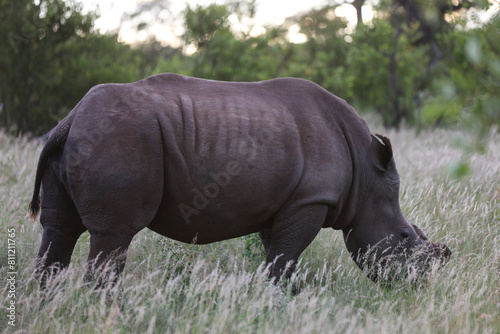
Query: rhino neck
x=358, y=137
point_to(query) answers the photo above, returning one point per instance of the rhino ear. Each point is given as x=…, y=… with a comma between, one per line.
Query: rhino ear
x=381, y=152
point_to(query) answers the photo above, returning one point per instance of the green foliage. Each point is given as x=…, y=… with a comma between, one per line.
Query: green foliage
x=174, y=62
x=467, y=91
x=50, y=57
x=416, y=62
x=387, y=70
x=254, y=251
x=177, y=259
x=419, y=66
x=322, y=58
x=222, y=55
x=204, y=23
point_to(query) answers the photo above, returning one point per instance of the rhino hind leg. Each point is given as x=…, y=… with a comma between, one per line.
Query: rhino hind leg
x=112, y=228
x=113, y=218
x=107, y=257
x=62, y=226
x=292, y=231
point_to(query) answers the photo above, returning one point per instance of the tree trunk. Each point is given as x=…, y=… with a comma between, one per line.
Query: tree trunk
x=358, y=4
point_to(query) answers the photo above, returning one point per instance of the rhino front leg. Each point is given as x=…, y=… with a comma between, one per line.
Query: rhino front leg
x=265, y=238
x=292, y=231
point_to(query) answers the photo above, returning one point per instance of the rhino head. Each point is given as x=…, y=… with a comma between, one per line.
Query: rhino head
x=380, y=239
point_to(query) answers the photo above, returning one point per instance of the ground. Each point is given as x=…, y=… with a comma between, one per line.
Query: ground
x=221, y=288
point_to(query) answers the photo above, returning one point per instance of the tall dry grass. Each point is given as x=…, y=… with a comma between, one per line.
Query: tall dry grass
x=221, y=288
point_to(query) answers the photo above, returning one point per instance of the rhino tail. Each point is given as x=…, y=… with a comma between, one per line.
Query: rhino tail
x=56, y=141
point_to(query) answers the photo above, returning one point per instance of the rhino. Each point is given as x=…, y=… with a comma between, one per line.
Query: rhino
x=201, y=161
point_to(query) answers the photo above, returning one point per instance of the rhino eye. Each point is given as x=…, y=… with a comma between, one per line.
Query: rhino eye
x=404, y=235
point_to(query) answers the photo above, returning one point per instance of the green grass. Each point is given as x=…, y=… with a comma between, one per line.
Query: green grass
x=222, y=287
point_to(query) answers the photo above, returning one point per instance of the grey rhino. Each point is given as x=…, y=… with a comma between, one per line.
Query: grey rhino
x=201, y=161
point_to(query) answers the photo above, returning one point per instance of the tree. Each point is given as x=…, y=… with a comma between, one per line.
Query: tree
x=358, y=5
x=466, y=88
x=223, y=54
x=49, y=57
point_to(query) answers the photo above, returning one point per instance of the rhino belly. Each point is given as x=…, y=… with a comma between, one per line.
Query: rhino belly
x=224, y=200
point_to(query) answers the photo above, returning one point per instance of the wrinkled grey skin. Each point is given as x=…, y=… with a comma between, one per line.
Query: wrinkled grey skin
x=201, y=161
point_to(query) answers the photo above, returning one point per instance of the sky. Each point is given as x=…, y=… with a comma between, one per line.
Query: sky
x=268, y=12
x=272, y=12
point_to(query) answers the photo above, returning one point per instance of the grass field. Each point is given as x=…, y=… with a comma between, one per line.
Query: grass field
x=221, y=288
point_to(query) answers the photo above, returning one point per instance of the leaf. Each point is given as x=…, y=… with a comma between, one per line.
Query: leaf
x=473, y=51
x=458, y=169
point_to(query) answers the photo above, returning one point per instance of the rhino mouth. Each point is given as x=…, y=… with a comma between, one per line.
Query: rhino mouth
x=404, y=265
